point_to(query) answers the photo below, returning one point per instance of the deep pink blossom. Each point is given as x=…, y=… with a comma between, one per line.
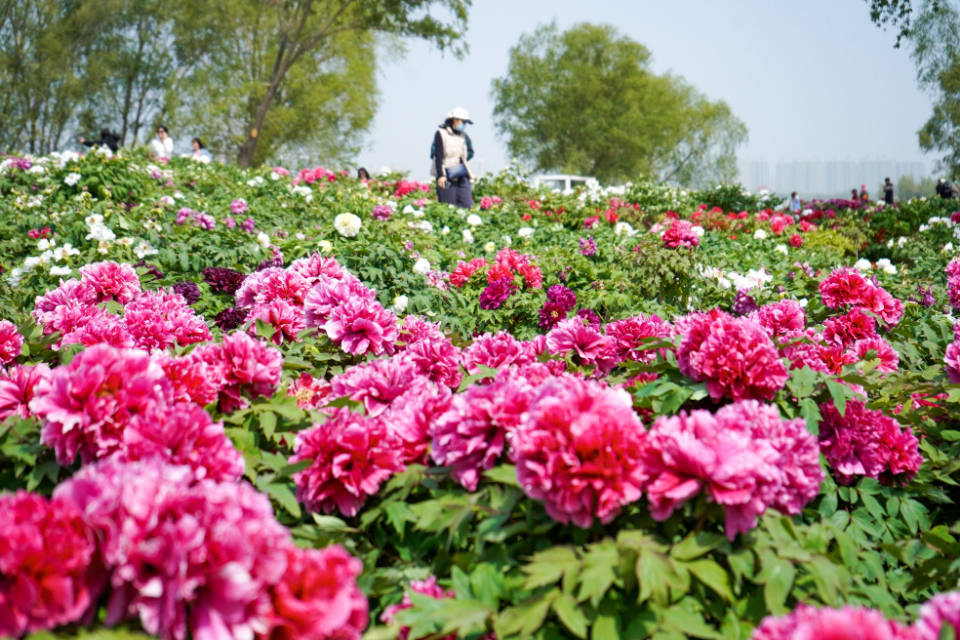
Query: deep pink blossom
x=680, y=234
x=865, y=442
x=112, y=281
x=578, y=449
x=249, y=368
x=846, y=329
x=351, y=456
x=848, y=623
x=496, y=293
x=10, y=341
x=17, y=387
x=803, y=349
x=411, y=415
x=318, y=598
x=496, y=350
x=272, y=283
x=49, y=573
x=936, y=613
x=187, y=557
x=631, y=333
x=734, y=356
x=81, y=294
x=437, y=359
x=780, y=318
x=362, y=326
x=311, y=393
x=87, y=404
x=415, y=329
x=464, y=270
x=847, y=287
x=97, y=326
x=162, y=318
x=286, y=318
x=329, y=293
x=375, y=383
x=192, y=379
x=315, y=265
x=951, y=360
x=877, y=348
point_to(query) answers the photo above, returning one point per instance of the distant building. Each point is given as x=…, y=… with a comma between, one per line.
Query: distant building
x=819, y=178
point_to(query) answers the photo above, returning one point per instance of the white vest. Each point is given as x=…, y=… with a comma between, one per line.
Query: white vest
x=454, y=150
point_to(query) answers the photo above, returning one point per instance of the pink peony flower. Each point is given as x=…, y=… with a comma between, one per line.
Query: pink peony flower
x=318, y=597
x=584, y=343
x=952, y=361
x=877, y=348
x=437, y=359
x=848, y=623
x=428, y=587
x=97, y=326
x=192, y=379
x=412, y=414
x=462, y=272
x=375, y=383
x=249, y=368
x=803, y=349
x=184, y=435
x=315, y=265
x=87, y=404
x=496, y=350
x=329, y=293
x=579, y=450
x=680, y=234
x=864, y=442
x=846, y=329
x=272, y=283
x=10, y=342
x=111, y=281
x=82, y=294
x=160, y=319
x=936, y=613
x=496, y=293
x=286, y=318
x=17, y=388
x=847, y=287
x=415, y=329
x=631, y=333
x=188, y=558
x=735, y=357
x=351, y=456
x=362, y=326
x=780, y=318
x=49, y=573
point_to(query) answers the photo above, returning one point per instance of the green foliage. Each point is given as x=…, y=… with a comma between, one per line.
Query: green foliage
x=585, y=101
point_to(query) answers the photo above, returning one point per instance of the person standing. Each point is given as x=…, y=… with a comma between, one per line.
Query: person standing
x=864, y=196
x=853, y=195
x=450, y=156
x=163, y=144
x=200, y=153
x=794, y=203
x=887, y=191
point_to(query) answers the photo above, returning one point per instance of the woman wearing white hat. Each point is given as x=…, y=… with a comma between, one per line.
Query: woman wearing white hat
x=451, y=151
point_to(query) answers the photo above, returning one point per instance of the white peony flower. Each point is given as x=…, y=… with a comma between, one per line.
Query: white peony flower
x=862, y=265
x=525, y=232
x=507, y=240
x=347, y=225
x=489, y=247
x=143, y=249
x=782, y=248
x=467, y=236
x=399, y=304
x=424, y=226
x=803, y=302
x=445, y=230
x=421, y=266
x=72, y=178
x=43, y=244
x=698, y=230
x=263, y=240
x=325, y=245
x=723, y=283
x=759, y=234
x=56, y=270
x=947, y=248
x=624, y=228
x=474, y=220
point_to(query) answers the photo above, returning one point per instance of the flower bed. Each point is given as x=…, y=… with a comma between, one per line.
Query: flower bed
x=288, y=404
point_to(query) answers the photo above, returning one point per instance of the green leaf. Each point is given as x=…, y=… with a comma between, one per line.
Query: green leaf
x=268, y=424
x=688, y=622
x=696, y=544
x=778, y=581
x=839, y=393
x=599, y=563
x=525, y=618
x=504, y=474
x=330, y=524
x=547, y=567
x=713, y=575
x=284, y=496
x=605, y=628
x=570, y=615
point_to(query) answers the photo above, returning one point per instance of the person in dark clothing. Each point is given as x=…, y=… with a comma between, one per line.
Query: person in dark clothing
x=450, y=152
x=946, y=189
x=854, y=196
x=363, y=174
x=887, y=191
x=864, y=196
x=107, y=139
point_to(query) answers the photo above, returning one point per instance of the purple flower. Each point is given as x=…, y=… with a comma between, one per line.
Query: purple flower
x=382, y=212
x=552, y=313
x=222, y=279
x=249, y=225
x=563, y=296
x=188, y=289
x=183, y=214
x=230, y=318
x=926, y=296
x=588, y=246
x=589, y=316
x=238, y=206
x=744, y=303
x=496, y=293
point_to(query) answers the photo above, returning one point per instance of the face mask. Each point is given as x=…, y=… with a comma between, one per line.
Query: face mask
x=459, y=128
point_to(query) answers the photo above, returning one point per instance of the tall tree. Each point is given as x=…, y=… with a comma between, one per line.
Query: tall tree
x=585, y=101
x=277, y=73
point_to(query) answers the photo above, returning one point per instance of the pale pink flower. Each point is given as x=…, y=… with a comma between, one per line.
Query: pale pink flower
x=939, y=611
x=315, y=265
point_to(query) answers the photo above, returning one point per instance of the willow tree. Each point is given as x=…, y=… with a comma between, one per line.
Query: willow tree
x=585, y=101
x=264, y=76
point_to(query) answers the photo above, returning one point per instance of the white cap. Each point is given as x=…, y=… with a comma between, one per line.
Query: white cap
x=460, y=114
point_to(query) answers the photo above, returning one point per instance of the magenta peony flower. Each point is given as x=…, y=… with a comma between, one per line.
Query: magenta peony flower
x=381, y=212
x=586, y=344
x=249, y=367
x=315, y=265
x=415, y=329
x=351, y=456
x=846, y=329
x=238, y=206
x=437, y=359
x=579, y=450
x=184, y=435
x=680, y=234
x=17, y=388
x=318, y=597
x=803, y=348
x=192, y=379
x=87, y=404
x=160, y=319
x=362, y=326
x=563, y=296
x=412, y=414
x=847, y=287
x=10, y=342
x=230, y=318
x=187, y=557
x=496, y=293
x=864, y=442
x=877, y=348
x=329, y=293
x=428, y=587
x=273, y=283
x=81, y=294
x=496, y=350
x=112, y=281
x=952, y=361
x=630, y=334
x=551, y=314
x=285, y=317
x=588, y=247
x=49, y=569
x=848, y=623
x=939, y=611
x=98, y=326
x=734, y=356
x=375, y=383
x=780, y=318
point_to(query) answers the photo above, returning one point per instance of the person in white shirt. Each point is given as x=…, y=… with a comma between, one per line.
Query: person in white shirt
x=163, y=143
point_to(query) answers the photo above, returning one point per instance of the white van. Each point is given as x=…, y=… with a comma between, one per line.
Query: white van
x=564, y=183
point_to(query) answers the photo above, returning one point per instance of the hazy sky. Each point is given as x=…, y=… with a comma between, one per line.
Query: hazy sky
x=812, y=80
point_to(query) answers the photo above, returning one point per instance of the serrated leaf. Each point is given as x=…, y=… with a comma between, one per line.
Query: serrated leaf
x=570, y=615
x=504, y=474
x=713, y=575
x=548, y=566
x=284, y=496
x=599, y=563
x=696, y=544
